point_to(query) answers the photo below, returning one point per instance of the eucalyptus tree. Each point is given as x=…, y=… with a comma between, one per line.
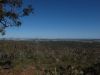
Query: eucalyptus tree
x=11, y=12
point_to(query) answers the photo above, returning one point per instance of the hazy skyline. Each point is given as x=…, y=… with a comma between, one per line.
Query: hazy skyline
x=60, y=19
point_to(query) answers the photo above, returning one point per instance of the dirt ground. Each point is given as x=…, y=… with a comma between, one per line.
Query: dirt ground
x=28, y=71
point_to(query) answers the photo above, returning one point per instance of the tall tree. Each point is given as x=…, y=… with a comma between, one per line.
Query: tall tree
x=11, y=12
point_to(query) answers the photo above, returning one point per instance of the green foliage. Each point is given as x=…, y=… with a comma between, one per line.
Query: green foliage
x=53, y=57
x=11, y=12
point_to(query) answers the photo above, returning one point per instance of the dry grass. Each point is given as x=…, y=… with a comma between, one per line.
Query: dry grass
x=50, y=58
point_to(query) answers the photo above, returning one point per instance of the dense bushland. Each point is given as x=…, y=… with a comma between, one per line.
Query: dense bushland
x=51, y=57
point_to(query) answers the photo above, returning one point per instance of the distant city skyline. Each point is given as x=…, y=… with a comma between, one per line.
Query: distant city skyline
x=60, y=19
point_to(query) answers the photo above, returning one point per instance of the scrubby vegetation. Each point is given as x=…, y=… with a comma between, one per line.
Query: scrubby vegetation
x=50, y=57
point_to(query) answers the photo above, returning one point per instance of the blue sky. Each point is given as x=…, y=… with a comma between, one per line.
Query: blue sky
x=60, y=19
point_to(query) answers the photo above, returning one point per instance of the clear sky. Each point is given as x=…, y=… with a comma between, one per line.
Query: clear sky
x=60, y=19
